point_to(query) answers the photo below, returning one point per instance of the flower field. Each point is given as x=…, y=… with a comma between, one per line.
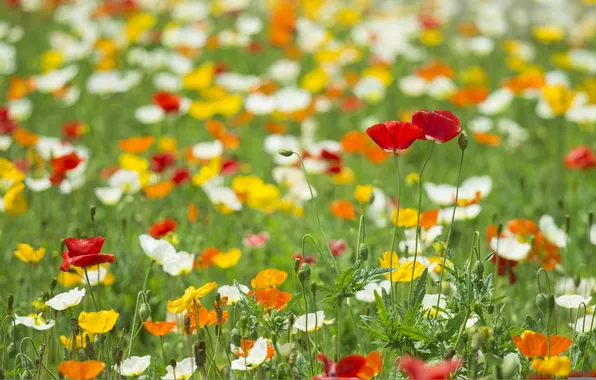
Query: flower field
x=297, y=189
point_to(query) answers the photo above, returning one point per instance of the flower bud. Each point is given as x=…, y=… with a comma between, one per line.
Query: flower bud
x=11, y=349
x=511, y=366
x=541, y=302
x=304, y=272
x=92, y=212
x=462, y=141
x=478, y=269
x=173, y=363
x=363, y=252
x=235, y=337
x=199, y=351
x=550, y=302
x=148, y=294
x=285, y=152
x=187, y=325
x=10, y=302
x=313, y=288
x=144, y=311
x=296, y=265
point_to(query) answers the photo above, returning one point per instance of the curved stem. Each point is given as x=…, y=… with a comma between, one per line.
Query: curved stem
x=432, y=148
x=446, y=250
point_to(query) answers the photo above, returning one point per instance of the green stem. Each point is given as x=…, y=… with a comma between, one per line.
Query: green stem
x=90, y=289
x=306, y=329
x=392, y=288
x=432, y=148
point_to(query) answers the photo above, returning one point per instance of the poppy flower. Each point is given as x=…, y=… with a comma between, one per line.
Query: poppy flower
x=167, y=101
x=256, y=240
x=268, y=278
x=158, y=190
x=347, y=367
x=89, y=369
x=532, y=344
x=7, y=125
x=65, y=163
x=84, y=253
x=162, y=228
x=136, y=145
x=581, y=157
x=271, y=298
x=24, y=137
x=418, y=370
x=161, y=161
x=159, y=328
x=180, y=176
x=74, y=129
x=337, y=247
x=395, y=135
x=343, y=209
x=439, y=126
x=98, y=322
x=310, y=259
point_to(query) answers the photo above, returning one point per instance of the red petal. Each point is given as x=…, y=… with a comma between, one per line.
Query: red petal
x=90, y=260
x=381, y=135
x=328, y=364
x=440, y=126
x=443, y=370
x=89, y=246
x=350, y=365
x=413, y=367
x=404, y=134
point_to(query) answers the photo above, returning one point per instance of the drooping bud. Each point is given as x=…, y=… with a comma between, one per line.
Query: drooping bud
x=235, y=337
x=478, y=269
x=462, y=141
x=363, y=252
x=285, y=152
x=173, y=363
x=541, y=302
x=92, y=213
x=144, y=311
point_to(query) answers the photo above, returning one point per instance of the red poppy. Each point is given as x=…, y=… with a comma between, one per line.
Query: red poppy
x=256, y=240
x=84, y=253
x=418, y=370
x=162, y=228
x=348, y=367
x=305, y=259
x=167, y=101
x=505, y=267
x=581, y=157
x=7, y=125
x=74, y=129
x=255, y=47
x=229, y=167
x=61, y=165
x=440, y=126
x=395, y=135
x=180, y=176
x=161, y=161
x=337, y=247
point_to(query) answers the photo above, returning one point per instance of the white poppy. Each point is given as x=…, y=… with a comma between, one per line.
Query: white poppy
x=220, y=195
x=551, y=232
x=96, y=276
x=65, y=300
x=38, y=184
x=285, y=349
x=461, y=213
x=440, y=88
x=480, y=124
x=133, y=366
x=301, y=191
x=287, y=175
x=412, y=85
x=510, y=248
x=233, y=292
x=481, y=45
x=291, y=99
x=180, y=263
x=150, y=114
x=167, y=82
x=256, y=356
x=315, y=321
x=158, y=250
x=572, y=301
x=127, y=180
x=35, y=321
x=497, y=102
x=370, y=88
x=472, y=321
x=377, y=210
x=429, y=302
x=284, y=70
x=472, y=189
x=584, y=324
x=20, y=109
x=55, y=80
x=207, y=150
x=184, y=370
x=110, y=82
x=260, y=104
x=8, y=59
x=109, y=196
x=426, y=239
x=234, y=82
x=249, y=25
x=5, y=142
x=593, y=234
x=368, y=293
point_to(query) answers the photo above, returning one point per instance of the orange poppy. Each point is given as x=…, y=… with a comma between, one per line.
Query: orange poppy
x=522, y=227
x=545, y=252
x=343, y=209
x=276, y=128
x=468, y=29
x=89, y=369
x=429, y=218
x=529, y=80
x=206, y=257
x=469, y=96
x=241, y=119
x=159, y=328
x=293, y=52
x=376, y=155
x=532, y=344
x=268, y=278
x=271, y=298
x=487, y=138
x=246, y=345
x=136, y=145
x=435, y=69
x=205, y=318
x=354, y=142
x=374, y=365
x=283, y=23
x=158, y=190
x=218, y=131
x=24, y=137
x=18, y=88
x=192, y=211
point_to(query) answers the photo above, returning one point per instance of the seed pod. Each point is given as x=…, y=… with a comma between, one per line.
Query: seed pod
x=462, y=141
x=363, y=252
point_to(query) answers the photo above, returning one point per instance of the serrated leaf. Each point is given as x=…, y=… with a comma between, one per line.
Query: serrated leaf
x=413, y=333
x=420, y=290
x=381, y=308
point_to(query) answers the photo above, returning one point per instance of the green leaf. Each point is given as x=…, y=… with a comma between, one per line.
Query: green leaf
x=420, y=290
x=381, y=309
x=454, y=325
x=412, y=332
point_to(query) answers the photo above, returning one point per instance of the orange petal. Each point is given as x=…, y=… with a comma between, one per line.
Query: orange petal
x=159, y=190
x=136, y=145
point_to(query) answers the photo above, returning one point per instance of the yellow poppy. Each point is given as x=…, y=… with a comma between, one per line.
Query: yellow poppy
x=27, y=254
x=98, y=322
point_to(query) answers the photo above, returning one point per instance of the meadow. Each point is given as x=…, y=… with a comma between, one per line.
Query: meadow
x=283, y=189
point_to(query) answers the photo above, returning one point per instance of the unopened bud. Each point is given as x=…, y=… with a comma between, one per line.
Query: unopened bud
x=10, y=302
x=11, y=349
x=285, y=152
x=304, y=272
x=235, y=337
x=92, y=212
x=144, y=311
x=199, y=351
x=478, y=269
x=313, y=288
x=511, y=366
x=541, y=302
x=173, y=363
x=296, y=265
x=462, y=141
x=363, y=252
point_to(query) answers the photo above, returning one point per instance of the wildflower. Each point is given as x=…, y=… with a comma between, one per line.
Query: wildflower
x=368, y=293
x=256, y=240
x=159, y=190
x=254, y=358
x=337, y=247
x=27, y=254
x=84, y=253
x=350, y=367
x=315, y=321
x=133, y=366
x=162, y=228
x=395, y=135
x=232, y=293
x=401, y=272
x=184, y=370
x=417, y=369
x=159, y=328
x=190, y=299
x=268, y=278
x=559, y=98
x=408, y=217
x=363, y=193
x=572, y=301
x=36, y=321
x=14, y=201
x=86, y=370
x=532, y=344
x=66, y=300
x=343, y=209
x=98, y=322
x=136, y=145
x=80, y=341
x=439, y=126
x=271, y=298
x=559, y=366
x=226, y=260
x=581, y=157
